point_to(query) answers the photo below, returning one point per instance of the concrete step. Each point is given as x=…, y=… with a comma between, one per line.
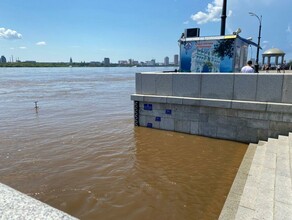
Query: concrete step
x=232, y=201
x=247, y=204
x=267, y=190
x=264, y=204
x=283, y=186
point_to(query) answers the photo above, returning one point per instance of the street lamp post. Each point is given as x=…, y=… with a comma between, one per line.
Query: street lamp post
x=259, y=40
x=223, y=18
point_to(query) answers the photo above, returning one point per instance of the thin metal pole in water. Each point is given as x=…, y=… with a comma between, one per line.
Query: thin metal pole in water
x=36, y=106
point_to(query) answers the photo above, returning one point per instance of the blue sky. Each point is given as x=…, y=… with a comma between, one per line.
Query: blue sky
x=89, y=30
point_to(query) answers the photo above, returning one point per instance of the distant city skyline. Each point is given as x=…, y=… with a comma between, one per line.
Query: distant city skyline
x=105, y=62
x=89, y=30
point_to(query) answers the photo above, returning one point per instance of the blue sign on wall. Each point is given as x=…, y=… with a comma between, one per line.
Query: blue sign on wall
x=168, y=111
x=149, y=125
x=148, y=107
x=158, y=119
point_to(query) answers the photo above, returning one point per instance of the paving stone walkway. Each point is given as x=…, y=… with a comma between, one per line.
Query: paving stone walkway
x=262, y=188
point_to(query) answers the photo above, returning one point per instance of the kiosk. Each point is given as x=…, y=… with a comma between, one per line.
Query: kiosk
x=213, y=54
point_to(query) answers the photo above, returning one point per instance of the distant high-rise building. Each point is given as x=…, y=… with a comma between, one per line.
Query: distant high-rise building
x=175, y=59
x=71, y=61
x=166, y=61
x=3, y=59
x=106, y=61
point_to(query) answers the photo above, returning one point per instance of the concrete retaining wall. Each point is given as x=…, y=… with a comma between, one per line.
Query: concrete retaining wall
x=240, y=107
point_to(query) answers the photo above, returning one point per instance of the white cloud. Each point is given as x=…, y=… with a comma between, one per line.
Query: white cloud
x=9, y=34
x=186, y=22
x=22, y=48
x=265, y=42
x=212, y=14
x=289, y=29
x=41, y=43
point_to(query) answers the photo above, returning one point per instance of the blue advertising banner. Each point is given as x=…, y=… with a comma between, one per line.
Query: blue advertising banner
x=207, y=55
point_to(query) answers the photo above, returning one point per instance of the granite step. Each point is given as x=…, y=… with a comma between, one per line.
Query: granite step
x=248, y=200
x=283, y=186
x=267, y=190
x=232, y=202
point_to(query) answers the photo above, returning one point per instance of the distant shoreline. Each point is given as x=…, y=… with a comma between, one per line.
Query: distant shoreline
x=35, y=64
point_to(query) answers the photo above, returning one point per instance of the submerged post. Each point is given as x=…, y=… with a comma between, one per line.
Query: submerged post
x=223, y=17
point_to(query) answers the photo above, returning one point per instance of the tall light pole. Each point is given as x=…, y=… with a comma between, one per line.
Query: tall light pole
x=259, y=40
x=223, y=18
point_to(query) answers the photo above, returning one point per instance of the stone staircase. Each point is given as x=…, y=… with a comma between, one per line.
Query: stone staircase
x=262, y=188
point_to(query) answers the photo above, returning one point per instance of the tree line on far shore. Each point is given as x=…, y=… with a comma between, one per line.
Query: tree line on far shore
x=61, y=64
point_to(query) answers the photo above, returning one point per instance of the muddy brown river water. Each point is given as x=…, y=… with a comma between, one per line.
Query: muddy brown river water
x=81, y=153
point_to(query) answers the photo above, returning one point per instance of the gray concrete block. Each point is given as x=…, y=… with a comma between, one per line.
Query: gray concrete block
x=138, y=83
x=164, y=84
x=246, y=105
x=273, y=116
x=203, y=118
x=279, y=107
x=249, y=114
x=247, y=135
x=281, y=126
x=191, y=101
x=191, y=109
x=263, y=134
x=287, y=89
x=245, y=86
x=187, y=85
x=167, y=124
x=287, y=118
x=260, y=124
x=156, y=99
x=136, y=97
x=226, y=132
x=217, y=103
x=182, y=126
x=269, y=87
x=219, y=111
x=194, y=127
x=142, y=120
x=217, y=86
x=148, y=84
x=208, y=130
x=159, y=106
x=174, y=100
x=186, y=115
